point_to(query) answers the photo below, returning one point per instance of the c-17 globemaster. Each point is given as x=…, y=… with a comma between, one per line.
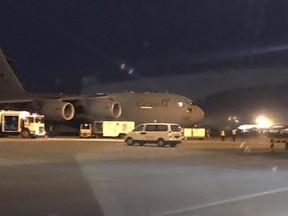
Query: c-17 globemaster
x=128, y=106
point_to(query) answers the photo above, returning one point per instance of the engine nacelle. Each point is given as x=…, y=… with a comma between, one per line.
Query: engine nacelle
x=58, y=110
x=104, y=108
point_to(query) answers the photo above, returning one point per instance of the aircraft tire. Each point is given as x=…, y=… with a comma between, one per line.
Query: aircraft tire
x=129, y=141
x=160, y=142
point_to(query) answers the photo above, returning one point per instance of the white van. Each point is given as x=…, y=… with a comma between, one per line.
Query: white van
x=160, y=133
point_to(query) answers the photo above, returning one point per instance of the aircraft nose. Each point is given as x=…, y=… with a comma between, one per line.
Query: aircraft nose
x=199, y=114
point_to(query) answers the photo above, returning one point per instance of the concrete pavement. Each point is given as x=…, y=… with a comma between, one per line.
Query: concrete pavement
x=60, y=176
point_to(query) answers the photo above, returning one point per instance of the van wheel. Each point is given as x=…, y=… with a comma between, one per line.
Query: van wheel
x=173, y=144
x=160, y=143
x=129, y=141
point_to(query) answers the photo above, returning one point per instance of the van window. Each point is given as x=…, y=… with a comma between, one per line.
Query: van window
x=176, y=128
x=156, y=128
x=162, y=127
x=150, y=128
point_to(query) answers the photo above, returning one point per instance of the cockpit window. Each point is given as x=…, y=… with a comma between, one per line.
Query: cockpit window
x=181, y=103
x=184, y=103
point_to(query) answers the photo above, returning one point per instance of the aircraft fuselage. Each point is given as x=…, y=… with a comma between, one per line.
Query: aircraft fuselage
x=149, y=107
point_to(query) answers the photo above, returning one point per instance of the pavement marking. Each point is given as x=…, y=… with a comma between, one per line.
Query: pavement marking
x=247, y=149
x=222, y=202
x=242, y=144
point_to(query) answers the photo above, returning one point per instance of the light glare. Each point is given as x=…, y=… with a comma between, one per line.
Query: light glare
x=263, y=122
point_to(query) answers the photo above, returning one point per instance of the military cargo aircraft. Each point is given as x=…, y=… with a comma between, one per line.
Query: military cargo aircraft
x=128, y=106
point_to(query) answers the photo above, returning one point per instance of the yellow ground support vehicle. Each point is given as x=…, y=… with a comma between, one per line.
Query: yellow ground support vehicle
x=194, y=133
x=106, y=129
x=21, y=123
x=85, y=130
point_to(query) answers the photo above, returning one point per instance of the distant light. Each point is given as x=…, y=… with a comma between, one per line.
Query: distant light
x=233, y=119
x=263, y=122
x=131, y=71
x=122, y=66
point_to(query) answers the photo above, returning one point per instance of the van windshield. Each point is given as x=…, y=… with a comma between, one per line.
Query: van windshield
x=139, y=128
x=176, y=128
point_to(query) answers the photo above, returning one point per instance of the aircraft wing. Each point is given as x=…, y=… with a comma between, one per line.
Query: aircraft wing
x=5, y=101
x=26, y=98
x=54, y=106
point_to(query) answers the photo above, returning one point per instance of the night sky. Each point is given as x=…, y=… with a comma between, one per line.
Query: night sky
x=70, y=46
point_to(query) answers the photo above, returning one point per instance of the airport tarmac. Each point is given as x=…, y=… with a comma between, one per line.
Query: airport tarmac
x=71, y=176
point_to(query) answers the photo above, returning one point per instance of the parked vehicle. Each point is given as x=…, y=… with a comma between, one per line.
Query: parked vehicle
x=194, y=133
x=21, y=123
x=86, y=130
x=159, y=133
x=106, y=129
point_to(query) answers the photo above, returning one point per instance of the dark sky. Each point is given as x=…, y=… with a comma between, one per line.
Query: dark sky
x=56, y=44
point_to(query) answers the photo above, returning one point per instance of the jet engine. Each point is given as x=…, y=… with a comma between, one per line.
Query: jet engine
x=104, y=108
x=58, y=110
x=109, y=109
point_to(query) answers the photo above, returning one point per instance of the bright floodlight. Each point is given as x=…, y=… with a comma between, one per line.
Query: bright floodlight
x=263, y=122
x=122, y=66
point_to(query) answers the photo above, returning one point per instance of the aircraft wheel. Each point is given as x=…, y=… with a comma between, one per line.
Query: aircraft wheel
x=129, y=141
x=160, y=143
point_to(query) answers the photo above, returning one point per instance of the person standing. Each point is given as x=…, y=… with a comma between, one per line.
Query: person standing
x=208, y=133
x=222, y=133
x=234, y=133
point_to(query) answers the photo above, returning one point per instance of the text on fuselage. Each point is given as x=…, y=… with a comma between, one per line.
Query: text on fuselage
x=162, y=103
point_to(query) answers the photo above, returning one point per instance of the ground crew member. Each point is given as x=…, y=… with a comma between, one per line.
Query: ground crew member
x=208, y=133
x=222, y=133
x=234, y=132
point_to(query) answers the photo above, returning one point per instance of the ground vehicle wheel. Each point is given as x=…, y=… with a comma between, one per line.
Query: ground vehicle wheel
x=141, y=143
x=98, y=136
x=121, y=136
x=160, y=142
x=25, y=133
x=173, y=144
x=129, y=141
